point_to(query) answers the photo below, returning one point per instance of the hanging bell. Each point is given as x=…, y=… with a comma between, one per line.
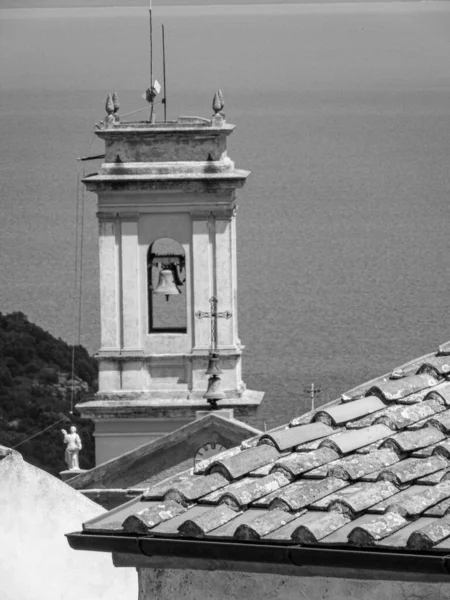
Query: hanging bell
x=213, y=365
x=213, y=393
x=166, y=283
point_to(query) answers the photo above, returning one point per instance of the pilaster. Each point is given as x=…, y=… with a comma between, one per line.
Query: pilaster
x=130, y=278
x=109, y=283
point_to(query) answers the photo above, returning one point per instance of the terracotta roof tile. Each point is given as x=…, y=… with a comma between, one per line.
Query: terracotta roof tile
x=310, y=445
x=430, y=534
x=407, y=441
x=418, y=503
x=306, y=417
x=348, y=441
x=227, y=530
x=262, y=471
x=202, y=524
x=242, y=463
x=370, y=419
x=361, y=496
x=321, y=527
x=293, y=436
x=146, y=519
x=342, y=413
x=359, y=490
x=285, y=532
x=415, y=398
x=300, y=494
x=441, y=421
x=340, y=536
x=444, y=545
x=375, y=530
x=370, y=448
x=400, y=537
x=243, y=492
x=398, y=498
x=398, y=417
x=442, y=448
x=202, y=465
x=410, y=469
x=444, y=349
x=355, y=393
x=434, y=478
x=436, y=366
x=393, y=389
x=441, y=391
x=170, y=527
x=356, y=466
x=112, y=520
x=438, y=510
x=263, y=524
x=157, y=491
x=192, y=488
x=424, y=452
x=301, y=462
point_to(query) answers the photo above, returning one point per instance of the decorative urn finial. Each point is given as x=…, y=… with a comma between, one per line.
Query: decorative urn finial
x=115, y=101
x=109, y=105
x=219, y=93
x=116, y=105
x=218, y=104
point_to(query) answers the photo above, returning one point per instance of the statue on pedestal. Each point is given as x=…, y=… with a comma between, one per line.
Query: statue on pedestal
x=74, y=446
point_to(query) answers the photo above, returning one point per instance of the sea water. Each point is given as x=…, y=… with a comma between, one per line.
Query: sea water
x=343, y=117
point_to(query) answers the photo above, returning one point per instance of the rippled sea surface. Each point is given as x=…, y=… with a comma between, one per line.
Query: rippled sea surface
x=343, y=117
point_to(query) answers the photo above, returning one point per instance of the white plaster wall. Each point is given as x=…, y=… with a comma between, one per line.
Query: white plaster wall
x=167, y=584
x=36, y=562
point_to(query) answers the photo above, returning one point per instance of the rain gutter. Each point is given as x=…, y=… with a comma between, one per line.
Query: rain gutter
x=299, y=556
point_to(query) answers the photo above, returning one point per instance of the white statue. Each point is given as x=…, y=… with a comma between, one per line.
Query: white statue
x=73, y=442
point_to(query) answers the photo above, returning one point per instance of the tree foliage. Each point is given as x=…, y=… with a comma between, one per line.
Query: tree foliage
x=36, y=390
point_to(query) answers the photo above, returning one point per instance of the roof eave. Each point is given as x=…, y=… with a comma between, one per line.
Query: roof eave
x=339, y=558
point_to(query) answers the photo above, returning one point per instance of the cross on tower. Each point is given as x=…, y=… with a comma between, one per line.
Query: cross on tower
x=213, y=315
x=312, y=391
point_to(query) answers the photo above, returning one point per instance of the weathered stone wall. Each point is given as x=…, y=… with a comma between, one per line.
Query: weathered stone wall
x=167, y=584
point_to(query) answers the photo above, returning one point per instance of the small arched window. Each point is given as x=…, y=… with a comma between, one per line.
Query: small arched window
x=166, y=277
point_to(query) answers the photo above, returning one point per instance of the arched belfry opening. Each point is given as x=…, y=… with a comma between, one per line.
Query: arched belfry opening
x=166, y=283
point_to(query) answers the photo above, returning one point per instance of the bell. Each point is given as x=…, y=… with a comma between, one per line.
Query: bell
x=166, y=283
x=213, y=393
x=213, y=365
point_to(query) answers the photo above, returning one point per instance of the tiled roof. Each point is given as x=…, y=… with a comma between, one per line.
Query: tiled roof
x=371, y=470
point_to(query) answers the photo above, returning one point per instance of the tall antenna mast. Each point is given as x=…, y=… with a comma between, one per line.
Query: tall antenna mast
x=164, y=73
x=151, y=42
x=151, y=55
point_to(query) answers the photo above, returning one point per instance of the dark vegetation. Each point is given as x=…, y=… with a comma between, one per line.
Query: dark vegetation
x=36, y=391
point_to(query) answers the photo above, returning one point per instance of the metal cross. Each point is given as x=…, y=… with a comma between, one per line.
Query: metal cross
x=213, y=315
x=312, y=391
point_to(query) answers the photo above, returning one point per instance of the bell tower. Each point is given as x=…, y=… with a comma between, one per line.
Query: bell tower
x=168, y=283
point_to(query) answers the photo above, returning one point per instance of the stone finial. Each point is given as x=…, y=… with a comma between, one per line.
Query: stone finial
x=218, y=102
x=115, y=101
x=219, y=93
x=109, y=105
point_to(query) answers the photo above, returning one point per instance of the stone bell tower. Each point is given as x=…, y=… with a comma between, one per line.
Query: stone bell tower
x=167, y=243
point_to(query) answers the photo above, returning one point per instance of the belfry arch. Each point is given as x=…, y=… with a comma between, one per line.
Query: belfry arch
x=167, y=287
